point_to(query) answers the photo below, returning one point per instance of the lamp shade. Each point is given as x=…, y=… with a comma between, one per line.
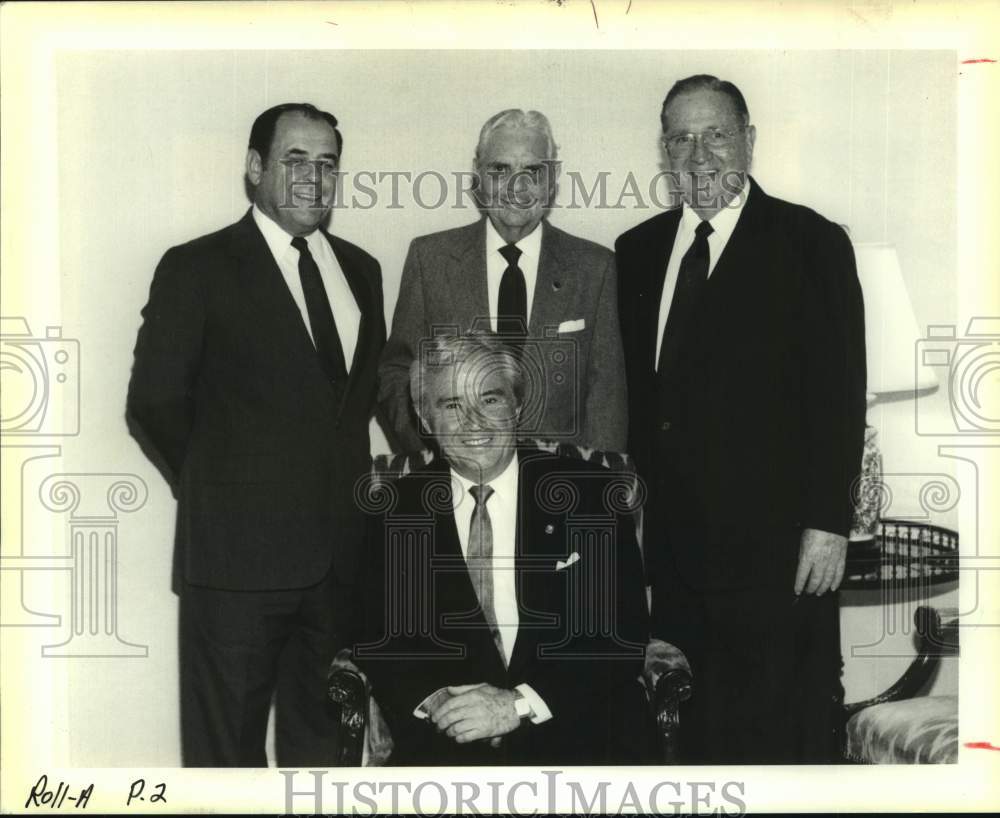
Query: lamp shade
x=891, y=332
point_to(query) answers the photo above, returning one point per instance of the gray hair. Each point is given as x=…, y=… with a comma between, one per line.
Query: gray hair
x=516, y=118
x=444, y=351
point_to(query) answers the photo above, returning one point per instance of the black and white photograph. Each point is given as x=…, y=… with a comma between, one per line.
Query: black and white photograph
x=570, y=406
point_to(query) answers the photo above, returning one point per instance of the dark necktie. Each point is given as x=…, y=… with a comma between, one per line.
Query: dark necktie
x=691, y=280
x=324, y=329
x=479, y=559
x=512, y=303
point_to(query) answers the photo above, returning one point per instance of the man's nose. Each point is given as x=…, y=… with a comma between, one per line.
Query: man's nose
x=471, y=420
x=519, y=188
x=699, y=153
x=304, y=172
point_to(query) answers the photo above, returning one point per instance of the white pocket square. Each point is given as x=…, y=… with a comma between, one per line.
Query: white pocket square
x=574, y=557
x=572, y=326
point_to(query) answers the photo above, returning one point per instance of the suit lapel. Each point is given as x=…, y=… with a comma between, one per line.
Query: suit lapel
x=745, y=238
x=539, y=535
x=264, y=284
x=740, y=245
x=465, y=278
x=555, y=283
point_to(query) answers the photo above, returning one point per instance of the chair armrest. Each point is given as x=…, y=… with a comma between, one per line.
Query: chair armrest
x=667, y=677
x=938, y=632
x=662, y=658
x=347, y=687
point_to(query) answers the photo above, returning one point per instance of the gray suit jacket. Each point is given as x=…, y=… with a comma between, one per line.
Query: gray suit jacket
x=576, y=377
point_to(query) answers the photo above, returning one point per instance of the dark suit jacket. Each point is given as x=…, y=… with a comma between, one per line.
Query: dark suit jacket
x=434, y=634
x=760, y=433
x=227, y=390
x=579, y=375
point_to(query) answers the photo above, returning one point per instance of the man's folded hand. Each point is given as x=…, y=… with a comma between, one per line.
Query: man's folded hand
x=476, y=712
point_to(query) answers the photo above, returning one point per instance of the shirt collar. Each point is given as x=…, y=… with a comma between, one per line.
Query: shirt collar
x=278, y=241
x=504, y=485
x=530, y=245
x=724, y=222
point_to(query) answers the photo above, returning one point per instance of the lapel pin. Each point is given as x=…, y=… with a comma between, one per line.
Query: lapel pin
x=549, y=528
x=556, y=286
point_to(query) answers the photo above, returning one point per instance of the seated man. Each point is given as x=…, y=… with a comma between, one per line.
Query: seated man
x=505, y=607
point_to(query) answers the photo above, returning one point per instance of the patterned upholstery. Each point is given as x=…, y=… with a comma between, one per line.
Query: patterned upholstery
x=923, y=730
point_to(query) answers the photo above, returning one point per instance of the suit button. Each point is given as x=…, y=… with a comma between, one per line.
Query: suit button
x=665, y=426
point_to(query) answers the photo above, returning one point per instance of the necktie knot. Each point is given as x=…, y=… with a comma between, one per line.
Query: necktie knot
x=300, y=244
x=703, y=230
x=481, y=494
x=511, y=252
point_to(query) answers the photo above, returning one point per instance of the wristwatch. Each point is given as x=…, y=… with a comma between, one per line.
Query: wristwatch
x=521, y=705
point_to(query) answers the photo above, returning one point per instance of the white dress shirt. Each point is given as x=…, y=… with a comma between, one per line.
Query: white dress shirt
x=346, y=313
x=502, y=508
x=530, y=247
x=723, y=224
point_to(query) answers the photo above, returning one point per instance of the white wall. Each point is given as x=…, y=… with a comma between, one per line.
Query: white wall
x=150, y=153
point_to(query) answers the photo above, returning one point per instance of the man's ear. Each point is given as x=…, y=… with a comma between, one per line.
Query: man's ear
x=553, y=167
x=477, y=184
x=255, y=166
x=751, y=137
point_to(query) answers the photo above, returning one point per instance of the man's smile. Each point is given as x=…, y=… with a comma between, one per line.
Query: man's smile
x=476, y=441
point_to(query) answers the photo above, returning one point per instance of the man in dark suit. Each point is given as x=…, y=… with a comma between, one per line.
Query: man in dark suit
x=512, y=263
x=743, y=328
x=252, y=388
x=505, y=605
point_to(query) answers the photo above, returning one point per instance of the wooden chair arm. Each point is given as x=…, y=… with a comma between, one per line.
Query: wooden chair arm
x=938, y=632
x=667, y=677
x=662, y=658
x=347, y=688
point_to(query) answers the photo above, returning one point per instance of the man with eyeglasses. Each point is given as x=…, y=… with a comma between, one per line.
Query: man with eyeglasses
x=552, y=295
x=743, y=328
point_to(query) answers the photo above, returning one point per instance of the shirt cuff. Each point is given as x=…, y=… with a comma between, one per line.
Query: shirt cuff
x=539, y=710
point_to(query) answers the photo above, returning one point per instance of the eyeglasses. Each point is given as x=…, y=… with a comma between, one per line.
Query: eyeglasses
x=682, y=144
x=533, y=174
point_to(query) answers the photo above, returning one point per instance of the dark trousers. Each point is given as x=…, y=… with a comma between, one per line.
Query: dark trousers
x=766, y=672
x=238, y=649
